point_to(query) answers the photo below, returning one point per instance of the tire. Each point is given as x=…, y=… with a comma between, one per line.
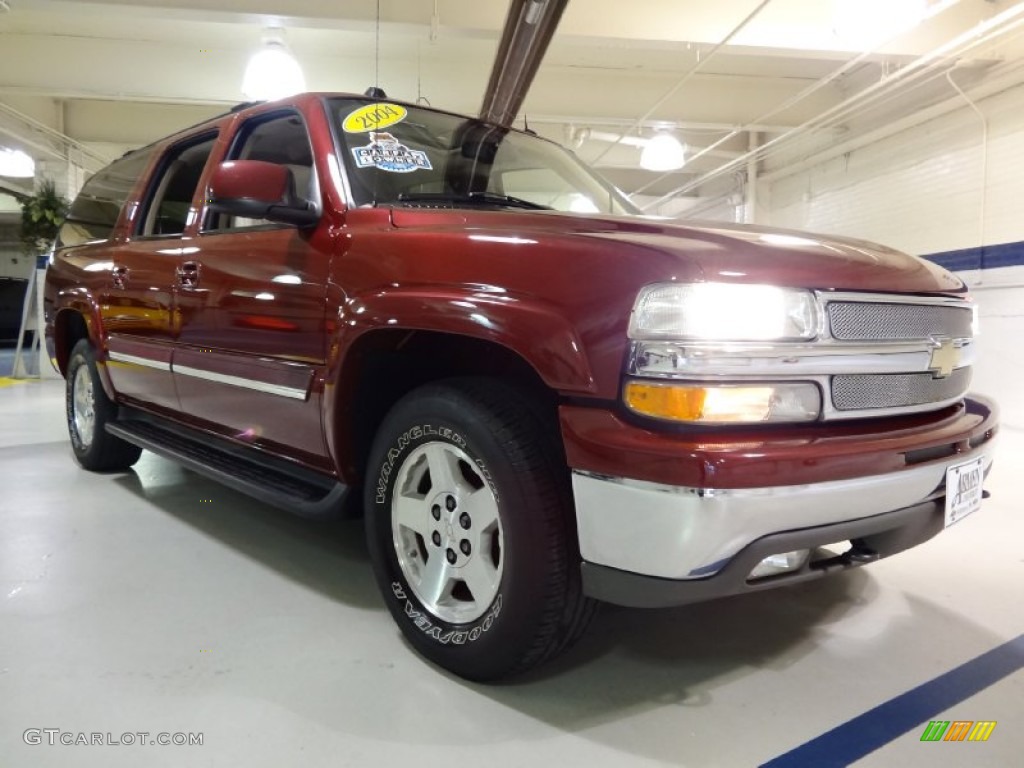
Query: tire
x=480, y=565
x=89, y=410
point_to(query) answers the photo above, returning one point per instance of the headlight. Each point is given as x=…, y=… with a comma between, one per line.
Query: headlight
x=724, y=312
x=705, y=403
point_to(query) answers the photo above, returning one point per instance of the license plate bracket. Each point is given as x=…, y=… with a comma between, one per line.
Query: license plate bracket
x=964, y=489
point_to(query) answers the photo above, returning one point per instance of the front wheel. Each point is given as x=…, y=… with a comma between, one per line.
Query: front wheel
x=470, y=527
x=89, y=410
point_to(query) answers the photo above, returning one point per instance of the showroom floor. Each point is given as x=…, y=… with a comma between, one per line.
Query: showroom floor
x=157, y=601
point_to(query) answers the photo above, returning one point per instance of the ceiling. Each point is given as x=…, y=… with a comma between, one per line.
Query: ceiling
x=90, y=79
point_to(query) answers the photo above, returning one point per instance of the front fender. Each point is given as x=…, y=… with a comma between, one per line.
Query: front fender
x=532, y=328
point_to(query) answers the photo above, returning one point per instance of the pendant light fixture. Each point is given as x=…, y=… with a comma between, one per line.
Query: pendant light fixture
x=273, y=71
x=663, y=152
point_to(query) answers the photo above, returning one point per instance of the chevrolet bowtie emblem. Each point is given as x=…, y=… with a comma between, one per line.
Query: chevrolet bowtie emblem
x=945, y=356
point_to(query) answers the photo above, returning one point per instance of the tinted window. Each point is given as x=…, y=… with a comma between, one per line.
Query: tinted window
x=169, y=201
x=97, y=207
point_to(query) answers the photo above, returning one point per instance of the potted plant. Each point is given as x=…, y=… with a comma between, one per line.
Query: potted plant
x=42, y=215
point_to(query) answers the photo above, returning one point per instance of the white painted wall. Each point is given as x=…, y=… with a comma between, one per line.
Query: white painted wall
x=8, y=204
x=920, y=190
x=926, y=190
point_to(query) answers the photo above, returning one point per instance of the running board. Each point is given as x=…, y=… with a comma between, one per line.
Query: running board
x=266, y=478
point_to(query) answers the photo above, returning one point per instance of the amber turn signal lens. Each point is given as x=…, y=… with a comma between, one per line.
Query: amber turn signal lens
x=724, y=403
x=666, y=402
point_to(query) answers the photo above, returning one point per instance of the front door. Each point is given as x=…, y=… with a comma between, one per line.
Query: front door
x=252, y=303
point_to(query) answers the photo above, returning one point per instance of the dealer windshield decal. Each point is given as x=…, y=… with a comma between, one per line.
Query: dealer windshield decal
x=373, y=117
x=388, y=154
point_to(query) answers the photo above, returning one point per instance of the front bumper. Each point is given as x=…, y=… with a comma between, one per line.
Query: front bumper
x=650, y=543
x=880, y=535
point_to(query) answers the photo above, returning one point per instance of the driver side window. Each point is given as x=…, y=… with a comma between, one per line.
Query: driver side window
x=281, y=139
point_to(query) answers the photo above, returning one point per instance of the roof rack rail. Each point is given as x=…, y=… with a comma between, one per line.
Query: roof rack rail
x=245, y=105
x=233, y=110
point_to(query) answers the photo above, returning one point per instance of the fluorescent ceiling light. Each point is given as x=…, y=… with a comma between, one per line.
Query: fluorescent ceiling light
x=581, y=204
x=16, y=164
x=663, y=152
x=273, y=72
x=869, y=23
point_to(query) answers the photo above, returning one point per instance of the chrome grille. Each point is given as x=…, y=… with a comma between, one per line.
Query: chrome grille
x=877, y=356
x=896, y=390
x=878, y=321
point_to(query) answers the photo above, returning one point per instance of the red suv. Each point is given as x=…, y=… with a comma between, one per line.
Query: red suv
x=539, y=398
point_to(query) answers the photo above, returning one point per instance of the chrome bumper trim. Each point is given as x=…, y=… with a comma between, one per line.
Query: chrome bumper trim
x=677, y=532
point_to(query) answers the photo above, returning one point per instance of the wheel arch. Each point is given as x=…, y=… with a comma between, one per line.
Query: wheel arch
x=384, y=365
x=71, y=324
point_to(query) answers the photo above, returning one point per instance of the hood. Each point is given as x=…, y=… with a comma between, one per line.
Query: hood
x=718, y=252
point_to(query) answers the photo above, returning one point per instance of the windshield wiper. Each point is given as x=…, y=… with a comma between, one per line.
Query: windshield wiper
x=472, y=198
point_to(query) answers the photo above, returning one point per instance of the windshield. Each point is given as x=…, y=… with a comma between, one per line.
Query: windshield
x=403, y=155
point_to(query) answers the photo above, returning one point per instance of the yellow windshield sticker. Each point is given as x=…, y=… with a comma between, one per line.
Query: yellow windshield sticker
x=373, y=117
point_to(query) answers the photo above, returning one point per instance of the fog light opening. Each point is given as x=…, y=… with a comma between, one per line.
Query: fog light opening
x=783, y=562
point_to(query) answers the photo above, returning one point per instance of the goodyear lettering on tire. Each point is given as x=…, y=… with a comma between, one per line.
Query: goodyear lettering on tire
x=425, y=623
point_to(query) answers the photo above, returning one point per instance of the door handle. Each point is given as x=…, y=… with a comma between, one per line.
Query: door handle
x=188, y=274
x=119, y=276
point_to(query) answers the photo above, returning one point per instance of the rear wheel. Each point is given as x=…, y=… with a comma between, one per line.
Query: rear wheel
x=89, y=410
x=470, y=527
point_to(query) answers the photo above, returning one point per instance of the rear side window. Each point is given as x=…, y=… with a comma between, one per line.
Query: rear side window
x=95, y=211
x=168, y=203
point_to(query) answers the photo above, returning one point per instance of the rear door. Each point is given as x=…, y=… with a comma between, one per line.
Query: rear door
x=252, y=303
x=139, y=310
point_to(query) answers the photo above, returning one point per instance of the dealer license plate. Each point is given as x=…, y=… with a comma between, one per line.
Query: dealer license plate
x=963, y=490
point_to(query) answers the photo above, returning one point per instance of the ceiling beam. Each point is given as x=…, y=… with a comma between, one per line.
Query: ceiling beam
x=529, y=27
x=1011, y=77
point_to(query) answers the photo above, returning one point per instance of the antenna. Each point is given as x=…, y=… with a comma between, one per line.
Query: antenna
x=376, y=52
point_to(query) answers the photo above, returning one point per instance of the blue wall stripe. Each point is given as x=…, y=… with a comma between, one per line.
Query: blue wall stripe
x=984, y=257
x=907, y=712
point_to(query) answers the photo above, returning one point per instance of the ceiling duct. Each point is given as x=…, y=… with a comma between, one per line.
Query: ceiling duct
x=529, y=27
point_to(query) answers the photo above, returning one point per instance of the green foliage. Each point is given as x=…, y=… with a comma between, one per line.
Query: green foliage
x=41, y=217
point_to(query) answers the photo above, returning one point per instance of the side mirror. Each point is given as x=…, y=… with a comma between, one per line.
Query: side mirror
x=258, y=190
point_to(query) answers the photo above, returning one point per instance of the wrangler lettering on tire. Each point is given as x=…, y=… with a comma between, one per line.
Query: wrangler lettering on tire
x=470, y=529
